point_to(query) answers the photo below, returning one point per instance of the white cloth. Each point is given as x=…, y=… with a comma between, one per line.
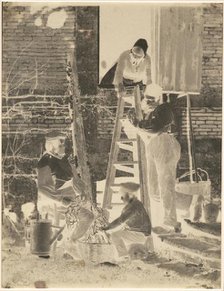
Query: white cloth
x=153, y=90
x=163, y=154
x=123, y=239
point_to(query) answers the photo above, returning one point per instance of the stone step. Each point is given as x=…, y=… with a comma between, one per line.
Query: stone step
x=189, y=249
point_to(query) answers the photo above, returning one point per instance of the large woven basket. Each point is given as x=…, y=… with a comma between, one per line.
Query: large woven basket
x=95, y=253
x=185, y=189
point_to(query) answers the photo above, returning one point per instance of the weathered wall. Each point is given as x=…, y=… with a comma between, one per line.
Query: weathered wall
x=35, y=52
x=36, y=44
x=212, y=45
x=39, y=116
x=206, y=21
x=180, y=47
x=206, y=122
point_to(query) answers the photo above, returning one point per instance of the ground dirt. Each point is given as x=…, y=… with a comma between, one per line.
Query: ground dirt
x=20, y=269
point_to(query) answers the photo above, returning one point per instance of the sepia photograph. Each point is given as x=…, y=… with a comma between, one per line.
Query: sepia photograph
x=111, y=145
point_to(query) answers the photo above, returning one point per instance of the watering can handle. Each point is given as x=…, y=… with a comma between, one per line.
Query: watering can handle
x=57, y=234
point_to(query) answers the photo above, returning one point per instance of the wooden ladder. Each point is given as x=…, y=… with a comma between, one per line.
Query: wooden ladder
x=136, y=167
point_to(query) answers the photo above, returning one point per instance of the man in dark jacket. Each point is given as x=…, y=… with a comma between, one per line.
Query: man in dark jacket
x=134, y=219
x=163, y=154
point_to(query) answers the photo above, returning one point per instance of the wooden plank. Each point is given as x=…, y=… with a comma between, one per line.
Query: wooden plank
x=138, y=109
x=125, y=147
x=78, y=129
x=180, y=40
x=127, y=163
x=107, y=196
x=127, y=140
x=124, y=169
x=142, y=157
x=113, y=154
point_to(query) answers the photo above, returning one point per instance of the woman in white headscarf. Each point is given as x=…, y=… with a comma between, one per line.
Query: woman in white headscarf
x=132, y=68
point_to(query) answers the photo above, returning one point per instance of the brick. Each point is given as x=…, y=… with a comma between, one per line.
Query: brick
x=202, y=118
x=49, y=121
x=215, y=133
x=42, y=126
x=211, y=122
x=59, y=121
x=203, y=133
x=200, y=122
x=208, y=126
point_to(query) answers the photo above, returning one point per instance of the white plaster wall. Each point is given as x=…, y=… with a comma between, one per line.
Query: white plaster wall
x=120, y=26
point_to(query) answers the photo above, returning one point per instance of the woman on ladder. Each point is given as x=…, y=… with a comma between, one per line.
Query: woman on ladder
x=132, y=68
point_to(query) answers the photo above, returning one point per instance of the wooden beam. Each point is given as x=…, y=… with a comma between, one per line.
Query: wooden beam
x=78, y=128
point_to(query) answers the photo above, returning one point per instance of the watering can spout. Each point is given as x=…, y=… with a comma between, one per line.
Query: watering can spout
x=57, y=233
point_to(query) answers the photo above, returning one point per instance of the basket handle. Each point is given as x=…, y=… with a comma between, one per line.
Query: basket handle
x=205, y=172
x=193, y=172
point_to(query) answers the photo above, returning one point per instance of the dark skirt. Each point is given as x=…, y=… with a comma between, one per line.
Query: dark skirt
x=108, y=78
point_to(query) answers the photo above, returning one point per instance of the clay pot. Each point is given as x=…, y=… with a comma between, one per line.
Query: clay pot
x=211, y=212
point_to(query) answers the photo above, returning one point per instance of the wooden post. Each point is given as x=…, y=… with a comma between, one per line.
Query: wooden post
x=114, y=149
x=189, y=139
x=191, y=145
x=142, y=156
x=78, y=129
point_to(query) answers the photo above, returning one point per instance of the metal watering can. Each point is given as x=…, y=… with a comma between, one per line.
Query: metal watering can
x=41, y=236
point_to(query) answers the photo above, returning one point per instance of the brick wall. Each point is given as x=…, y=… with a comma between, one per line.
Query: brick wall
x=39, y=116
x=34, y=64
x=35, y=54
x=206, y=123
x=212, y=45
x=87, y=49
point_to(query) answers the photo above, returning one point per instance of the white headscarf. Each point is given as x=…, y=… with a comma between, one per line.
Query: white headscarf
x=154, y=90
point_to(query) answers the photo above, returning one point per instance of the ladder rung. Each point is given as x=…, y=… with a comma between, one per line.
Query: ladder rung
x=125, y=169
x=126, y=147
x=128, y=96
x=115, y=185
x=129, y=100
x=127, y=140
x=126, y=163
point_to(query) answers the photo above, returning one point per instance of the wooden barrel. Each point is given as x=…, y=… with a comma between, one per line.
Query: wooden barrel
x=40, y=237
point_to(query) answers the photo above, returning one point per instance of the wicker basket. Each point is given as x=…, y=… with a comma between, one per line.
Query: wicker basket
x=95, y=253
x=185, y=190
